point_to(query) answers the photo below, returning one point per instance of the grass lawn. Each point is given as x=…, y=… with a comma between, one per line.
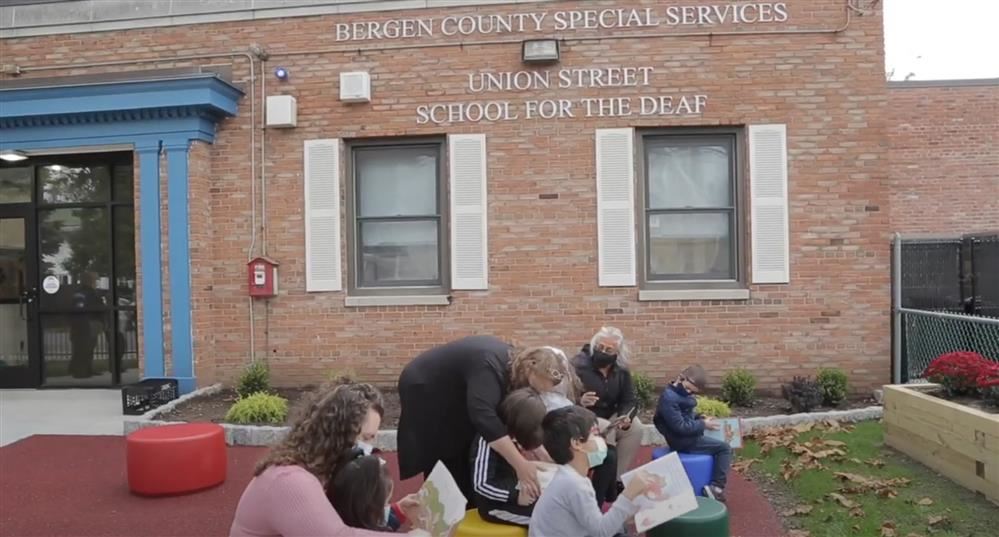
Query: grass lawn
x=927, y=495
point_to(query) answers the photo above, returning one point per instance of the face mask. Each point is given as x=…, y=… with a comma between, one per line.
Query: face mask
x=602, y=359
x=388, y=514
x=365, y=447
x=555, y=401
x=597, y=456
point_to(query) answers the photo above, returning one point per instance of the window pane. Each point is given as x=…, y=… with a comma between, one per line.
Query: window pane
x=690, y=246
x=399, y=252
x=76, y=350
x=75, y=247
x=123, y=183
x=70, y=184
x=124, y=254
x=689, y=175
x=15, y=185
x=396, y=181
x=128, y=347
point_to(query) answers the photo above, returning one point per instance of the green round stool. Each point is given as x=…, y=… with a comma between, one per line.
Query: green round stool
x=710, y=519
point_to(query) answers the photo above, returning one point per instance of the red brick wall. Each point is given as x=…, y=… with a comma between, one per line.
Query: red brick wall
x=944, y=155
x=828, y=88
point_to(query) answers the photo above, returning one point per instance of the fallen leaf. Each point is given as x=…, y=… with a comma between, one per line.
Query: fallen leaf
x=913, y=535
x=803, y=427
x=857, y=512
x=939, y=520
x=834, y=443
x=877, y=463
x=888, y=529
x=799, y=510
x=743, y=465
x=843, y=500
x=925, y=502
x=856, y=528
x=799, y=533
x=854, y=478
x=856, y=461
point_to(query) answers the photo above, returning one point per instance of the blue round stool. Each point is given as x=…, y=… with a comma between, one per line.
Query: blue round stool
x=697, y=466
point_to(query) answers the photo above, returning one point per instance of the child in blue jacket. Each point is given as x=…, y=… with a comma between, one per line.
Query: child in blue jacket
x=684, y=431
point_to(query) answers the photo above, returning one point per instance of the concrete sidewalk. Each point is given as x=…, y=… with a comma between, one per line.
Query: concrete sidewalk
x=24, y=413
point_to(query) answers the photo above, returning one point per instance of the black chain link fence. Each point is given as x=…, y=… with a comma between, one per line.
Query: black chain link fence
x=948, y=301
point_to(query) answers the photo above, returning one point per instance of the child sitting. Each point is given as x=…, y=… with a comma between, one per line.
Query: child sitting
x=494, y=481
x=360, y=491
x=567, y=507
x=684, y=431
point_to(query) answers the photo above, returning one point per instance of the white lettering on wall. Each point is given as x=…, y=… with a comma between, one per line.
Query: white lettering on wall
x=561, y=108
x=564, y=21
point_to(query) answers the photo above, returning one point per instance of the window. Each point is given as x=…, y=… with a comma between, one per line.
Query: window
x=398, y=230
x=690, y=216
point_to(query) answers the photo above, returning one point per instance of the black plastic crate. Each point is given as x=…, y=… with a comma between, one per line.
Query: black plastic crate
x=139, y=398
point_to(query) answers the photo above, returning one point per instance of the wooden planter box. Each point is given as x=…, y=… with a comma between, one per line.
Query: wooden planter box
x=961, y=443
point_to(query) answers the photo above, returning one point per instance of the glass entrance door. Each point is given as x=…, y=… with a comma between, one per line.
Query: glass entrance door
x=18, y=298
x=72, y=322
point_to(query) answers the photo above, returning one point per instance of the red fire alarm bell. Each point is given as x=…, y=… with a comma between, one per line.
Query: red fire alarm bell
x=263, y=277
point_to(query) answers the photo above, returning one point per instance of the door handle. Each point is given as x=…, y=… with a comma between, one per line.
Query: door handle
x=24, y=300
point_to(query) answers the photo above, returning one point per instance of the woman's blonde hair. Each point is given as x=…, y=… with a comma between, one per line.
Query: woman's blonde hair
x=323, y=434
x=547, y=362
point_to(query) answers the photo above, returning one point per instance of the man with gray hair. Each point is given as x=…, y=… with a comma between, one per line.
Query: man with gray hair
x=609, y=392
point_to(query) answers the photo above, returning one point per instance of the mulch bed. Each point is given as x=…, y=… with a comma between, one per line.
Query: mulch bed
x=214, y=407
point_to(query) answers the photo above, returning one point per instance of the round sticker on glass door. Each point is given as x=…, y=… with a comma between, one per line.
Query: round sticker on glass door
x=51, y=284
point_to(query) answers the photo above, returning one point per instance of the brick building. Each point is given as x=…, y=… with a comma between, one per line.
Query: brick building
x=712, y=177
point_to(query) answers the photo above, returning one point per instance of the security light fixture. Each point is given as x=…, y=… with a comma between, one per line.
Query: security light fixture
x=12, y=155
x=540, y=51
x=281, y=73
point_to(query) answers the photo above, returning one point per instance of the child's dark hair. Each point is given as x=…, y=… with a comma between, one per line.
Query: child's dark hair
x=359, y=491
x=523, y=411
x=564, y=425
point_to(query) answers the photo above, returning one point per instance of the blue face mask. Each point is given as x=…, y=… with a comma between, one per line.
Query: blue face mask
x=364, y=447
x=597, y=456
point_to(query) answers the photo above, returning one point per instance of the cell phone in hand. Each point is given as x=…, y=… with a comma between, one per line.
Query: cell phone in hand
x=632, y=413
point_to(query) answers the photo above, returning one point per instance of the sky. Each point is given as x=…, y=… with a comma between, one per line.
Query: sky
x=941, y=39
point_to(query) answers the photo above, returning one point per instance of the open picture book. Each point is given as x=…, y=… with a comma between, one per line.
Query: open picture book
x=673, y=496
x=442, y=505
x=730, y=432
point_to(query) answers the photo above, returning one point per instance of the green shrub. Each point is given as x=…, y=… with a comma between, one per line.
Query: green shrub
x=738, y=387
x=834, y=385
x=645, y=389
x=712, y=408
x=258, y=408
x=255, y=378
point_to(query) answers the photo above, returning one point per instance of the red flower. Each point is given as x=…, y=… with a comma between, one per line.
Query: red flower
x=959, y=371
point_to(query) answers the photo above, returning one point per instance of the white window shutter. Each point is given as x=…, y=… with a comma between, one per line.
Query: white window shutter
x=322, y=216
x=769, y=212
x=469, y=227
x=615, y=207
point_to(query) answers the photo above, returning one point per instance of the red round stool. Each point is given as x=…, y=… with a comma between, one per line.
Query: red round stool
x=174, y=459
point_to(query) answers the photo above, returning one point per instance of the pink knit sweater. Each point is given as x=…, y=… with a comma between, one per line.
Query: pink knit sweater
x=288, y=501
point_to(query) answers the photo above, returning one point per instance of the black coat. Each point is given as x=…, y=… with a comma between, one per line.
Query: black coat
x=616, y=391
x=448, y=395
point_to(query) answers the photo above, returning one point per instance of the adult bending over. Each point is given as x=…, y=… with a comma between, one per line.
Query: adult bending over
x=286, y=497
x=609, y=392
x=453, y=392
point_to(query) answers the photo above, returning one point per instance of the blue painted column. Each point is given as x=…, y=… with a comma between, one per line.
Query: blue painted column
x=149, y=244
x=179, y=249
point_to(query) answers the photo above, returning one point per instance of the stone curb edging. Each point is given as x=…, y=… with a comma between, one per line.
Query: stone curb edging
x=252, y=435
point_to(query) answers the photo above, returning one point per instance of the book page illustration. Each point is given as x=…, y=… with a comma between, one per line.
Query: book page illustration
x=672, y=497
x=442, y=506
x=730, y=432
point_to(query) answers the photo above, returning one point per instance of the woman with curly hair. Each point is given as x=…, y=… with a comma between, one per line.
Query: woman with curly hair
x=451, y=393
x=287, y=496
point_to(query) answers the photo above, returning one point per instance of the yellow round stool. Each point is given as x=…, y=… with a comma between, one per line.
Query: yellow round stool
x=473, y=526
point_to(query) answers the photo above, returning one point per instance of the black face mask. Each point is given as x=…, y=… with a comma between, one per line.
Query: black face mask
x=602, y=359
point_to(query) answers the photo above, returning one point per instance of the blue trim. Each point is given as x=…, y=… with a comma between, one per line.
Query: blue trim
x=180, y=259
x=150, y=116
x=149, y=241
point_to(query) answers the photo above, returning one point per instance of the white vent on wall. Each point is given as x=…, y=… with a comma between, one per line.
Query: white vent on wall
x=355, y=87
x=282, y=111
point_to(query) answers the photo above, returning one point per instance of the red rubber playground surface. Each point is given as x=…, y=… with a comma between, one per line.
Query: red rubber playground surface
x=74, y=486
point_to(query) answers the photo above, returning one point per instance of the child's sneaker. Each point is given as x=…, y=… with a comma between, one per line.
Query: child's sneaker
x=715, y=493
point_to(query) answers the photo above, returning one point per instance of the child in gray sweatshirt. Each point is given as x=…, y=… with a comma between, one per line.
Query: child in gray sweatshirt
x=568, y=507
